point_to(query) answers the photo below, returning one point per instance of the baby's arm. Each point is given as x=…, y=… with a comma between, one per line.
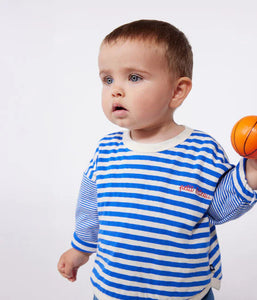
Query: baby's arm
x=85, y=237
x=251, y=173
x=70, y=262
x=235, y=194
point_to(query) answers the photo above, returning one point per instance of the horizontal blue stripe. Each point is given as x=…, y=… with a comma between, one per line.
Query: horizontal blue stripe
x=214, y=251
x=90, y=245
x=134, y=268
x=194, y=138
x=201, y=157
x=115, y=135
x=149, y=281
x=82, y=250
x=154, y=241
x=115, y=295
x=166, y=180
x=158, y=169
x=114, y=151
x=212, y=228
x=200, y=133
x=193, y=157
x=145, y=195
x=139, y=289
x=206, y=141
x=213, y=240
x=149, y=259
x=125, y=297
x=218, y=272
x=171, y=162
x=215, y=263
x=152, y=229
x=207, y=137
x=154, y=219
x=151, y=198
x=115, y=144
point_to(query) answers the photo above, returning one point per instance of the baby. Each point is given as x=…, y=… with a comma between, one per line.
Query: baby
x=152, y=195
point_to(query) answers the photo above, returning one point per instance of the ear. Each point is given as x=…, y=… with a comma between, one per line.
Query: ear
x=182, y=87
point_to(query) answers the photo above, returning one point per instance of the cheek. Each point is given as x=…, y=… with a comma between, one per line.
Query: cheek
x=152, y=109
x=149, y=101
x=105, y=103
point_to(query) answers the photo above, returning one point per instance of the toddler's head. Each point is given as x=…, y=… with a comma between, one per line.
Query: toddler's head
x=146, y=70
x=178, y=51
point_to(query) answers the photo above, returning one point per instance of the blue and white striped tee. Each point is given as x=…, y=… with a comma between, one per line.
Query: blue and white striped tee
x=149, y=211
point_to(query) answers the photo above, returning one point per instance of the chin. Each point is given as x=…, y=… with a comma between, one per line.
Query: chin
x=119, y=123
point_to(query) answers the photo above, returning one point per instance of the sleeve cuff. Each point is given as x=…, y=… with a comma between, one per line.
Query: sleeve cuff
x=80, y=245
x=241, y=185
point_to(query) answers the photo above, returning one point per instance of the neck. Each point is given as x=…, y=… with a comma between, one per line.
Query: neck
x=158, y=134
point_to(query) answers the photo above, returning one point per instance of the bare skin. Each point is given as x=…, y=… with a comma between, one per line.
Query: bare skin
x=251, y=173
x=70, y=261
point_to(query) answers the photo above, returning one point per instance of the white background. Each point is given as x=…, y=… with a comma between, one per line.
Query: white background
x=51, y=119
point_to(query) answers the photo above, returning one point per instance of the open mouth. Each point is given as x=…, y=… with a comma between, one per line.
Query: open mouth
x=118, y=107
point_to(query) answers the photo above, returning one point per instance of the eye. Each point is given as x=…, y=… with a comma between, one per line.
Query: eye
x=108, y=80
x=135, y=77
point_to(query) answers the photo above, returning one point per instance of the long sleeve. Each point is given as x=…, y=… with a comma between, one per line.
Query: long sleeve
x=233, y=196
x=86, y=230
x=85, y=237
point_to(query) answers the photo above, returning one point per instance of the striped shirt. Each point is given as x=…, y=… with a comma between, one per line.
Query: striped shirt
x=149, y=212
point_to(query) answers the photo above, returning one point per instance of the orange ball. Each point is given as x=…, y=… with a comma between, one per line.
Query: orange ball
x=244, y=137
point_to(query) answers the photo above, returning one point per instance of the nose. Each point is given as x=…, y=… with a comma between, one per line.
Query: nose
x=118, y=92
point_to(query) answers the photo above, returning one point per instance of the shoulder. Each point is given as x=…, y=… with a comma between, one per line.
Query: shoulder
x=205, y=142
x=112, y=136
x=203, y=137
x=111, y=139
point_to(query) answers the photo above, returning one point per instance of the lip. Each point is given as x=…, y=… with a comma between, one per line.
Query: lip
x=117, y=107
x=119, y=110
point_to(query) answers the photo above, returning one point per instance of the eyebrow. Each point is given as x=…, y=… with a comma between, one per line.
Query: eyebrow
x=125, y=70
x=103, y=72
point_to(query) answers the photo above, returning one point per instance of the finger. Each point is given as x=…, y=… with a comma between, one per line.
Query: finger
x=74, y=274
x=70, y=272
x=62, y=272
x=61, y=267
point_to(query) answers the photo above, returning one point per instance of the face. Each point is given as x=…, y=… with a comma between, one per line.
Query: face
x=137, y=84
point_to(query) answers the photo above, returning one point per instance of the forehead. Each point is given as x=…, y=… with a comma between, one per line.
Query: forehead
x=132, y=52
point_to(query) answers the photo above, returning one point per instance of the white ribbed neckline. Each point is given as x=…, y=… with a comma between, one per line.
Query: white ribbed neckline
x=142, y=147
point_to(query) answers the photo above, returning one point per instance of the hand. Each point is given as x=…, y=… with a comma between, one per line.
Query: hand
x=251, y=173
x=70, y=262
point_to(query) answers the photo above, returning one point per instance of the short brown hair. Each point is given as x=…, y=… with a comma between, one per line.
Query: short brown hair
x=178, y=50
